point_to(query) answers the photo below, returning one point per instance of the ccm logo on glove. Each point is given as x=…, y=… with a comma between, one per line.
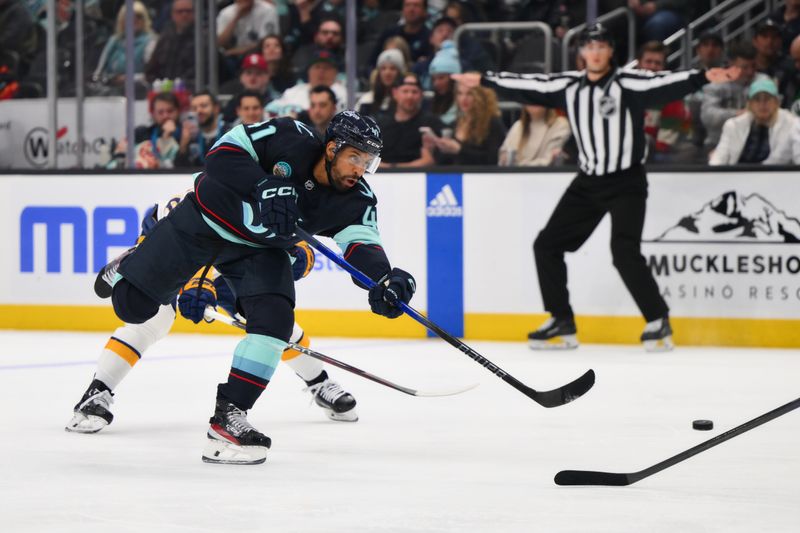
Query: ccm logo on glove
x=287, y=190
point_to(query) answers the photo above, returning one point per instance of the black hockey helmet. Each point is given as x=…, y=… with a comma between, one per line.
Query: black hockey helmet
x=350, y=128
x=596, y=32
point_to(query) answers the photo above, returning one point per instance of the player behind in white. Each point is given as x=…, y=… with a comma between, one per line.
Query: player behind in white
x=129, y=342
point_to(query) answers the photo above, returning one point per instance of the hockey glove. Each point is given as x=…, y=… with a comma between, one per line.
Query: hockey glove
x=226, y=299
x=303, y=260
x=195, y=297
x=277, y=203
x=397, y=285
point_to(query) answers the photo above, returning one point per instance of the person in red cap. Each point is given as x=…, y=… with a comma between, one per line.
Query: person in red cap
x=253, y=76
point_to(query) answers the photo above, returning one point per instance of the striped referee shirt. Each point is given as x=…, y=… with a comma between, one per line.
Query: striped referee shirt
x=607, y=115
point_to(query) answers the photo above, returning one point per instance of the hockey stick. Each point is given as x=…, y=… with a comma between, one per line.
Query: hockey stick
x=588, y=477
x=211, y=313
x=552, y=398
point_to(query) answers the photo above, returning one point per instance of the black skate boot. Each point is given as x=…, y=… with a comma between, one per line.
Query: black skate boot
x=555, y=334
x=104, y=282
x=231, y=438
x=337, y=403
x=92, y=413
x=657, y=336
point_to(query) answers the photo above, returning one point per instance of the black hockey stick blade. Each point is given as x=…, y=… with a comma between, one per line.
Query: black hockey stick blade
x=589, y=477
x=213, y=314
x=562, y=395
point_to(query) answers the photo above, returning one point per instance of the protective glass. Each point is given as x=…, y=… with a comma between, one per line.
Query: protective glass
x=369, y=163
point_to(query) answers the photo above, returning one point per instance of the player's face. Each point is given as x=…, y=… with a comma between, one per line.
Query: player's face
x=597, y=55
x=348, y=167
x=250, y=110
x=652, y=61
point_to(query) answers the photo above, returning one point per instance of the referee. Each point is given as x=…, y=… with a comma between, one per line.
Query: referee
x=605, y=106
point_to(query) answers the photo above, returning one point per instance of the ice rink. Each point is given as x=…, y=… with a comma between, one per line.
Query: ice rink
x=482, y=461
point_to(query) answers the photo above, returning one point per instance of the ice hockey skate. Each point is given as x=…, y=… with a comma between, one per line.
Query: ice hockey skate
x=92, y=413
x=232, y=439
x=104, y=282
x=337, y=403
x=555, y=334
x=657, y=336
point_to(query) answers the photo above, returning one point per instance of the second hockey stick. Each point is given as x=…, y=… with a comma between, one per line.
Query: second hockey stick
x=589, y=477
x=212, y=314
x=551, y=398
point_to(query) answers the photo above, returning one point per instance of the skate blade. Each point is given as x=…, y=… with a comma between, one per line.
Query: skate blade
x=227, y=453
x=349, y=416
x=81, y=423
x=565, y=342
x=660, y=345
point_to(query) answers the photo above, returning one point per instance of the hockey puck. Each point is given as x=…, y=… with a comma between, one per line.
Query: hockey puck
x=703, y=425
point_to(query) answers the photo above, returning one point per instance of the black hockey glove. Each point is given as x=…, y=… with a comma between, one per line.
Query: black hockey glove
x=397, y=285
x=277, y=202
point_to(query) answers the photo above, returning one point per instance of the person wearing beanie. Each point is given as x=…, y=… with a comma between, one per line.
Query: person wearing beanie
x=391, y=66
x=444, y=63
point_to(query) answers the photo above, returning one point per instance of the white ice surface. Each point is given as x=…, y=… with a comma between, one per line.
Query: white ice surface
x=483, y=461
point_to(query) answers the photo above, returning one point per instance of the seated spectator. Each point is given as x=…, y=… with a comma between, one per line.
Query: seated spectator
x=443, y=65
x=412, y=29
x=173, y=56
x=658, y=18
x=722, y=101
x=254, y=76
x=379, y=98
x=156, y=146
x=306, y=16
x=241, y=26
x=479, y=132
x=249, y=108
x=110, y=71
x=200, y=130
x=788, y=18
x=399, y=43
x=709, y=51
x=328, y=36
x=471, y=53
x=402, y=138
x=18, y=38
x=280, y=73
x=666, y=128
x=768, y=45
x=761, y=135
x=322, y=70
x=321, y=109
x=536, y=139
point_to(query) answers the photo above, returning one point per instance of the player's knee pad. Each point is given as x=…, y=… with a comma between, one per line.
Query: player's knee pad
x=269, y=314
x=131, y=304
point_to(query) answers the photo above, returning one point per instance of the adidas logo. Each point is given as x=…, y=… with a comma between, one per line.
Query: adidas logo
x=444, y=204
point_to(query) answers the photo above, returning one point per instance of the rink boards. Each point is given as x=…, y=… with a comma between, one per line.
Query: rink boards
x=722, y=245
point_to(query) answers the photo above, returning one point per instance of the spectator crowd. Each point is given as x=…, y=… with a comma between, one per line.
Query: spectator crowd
x=286, y=58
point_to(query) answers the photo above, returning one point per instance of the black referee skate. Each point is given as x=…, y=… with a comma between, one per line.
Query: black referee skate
x=657, y=336
x=555, y=334
x=337, y=403
x=92, y=413
x=104, y=282
x=232, y=439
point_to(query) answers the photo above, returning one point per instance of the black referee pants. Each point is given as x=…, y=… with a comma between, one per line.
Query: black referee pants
x=586, y=201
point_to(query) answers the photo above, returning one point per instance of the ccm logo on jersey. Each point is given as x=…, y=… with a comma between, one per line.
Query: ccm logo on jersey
x=278, y=191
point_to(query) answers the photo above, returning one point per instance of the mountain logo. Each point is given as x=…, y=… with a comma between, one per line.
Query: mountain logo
x=733, y=217
x=444, y=204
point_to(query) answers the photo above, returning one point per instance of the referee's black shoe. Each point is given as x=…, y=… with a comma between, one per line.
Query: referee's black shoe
x=555, y=334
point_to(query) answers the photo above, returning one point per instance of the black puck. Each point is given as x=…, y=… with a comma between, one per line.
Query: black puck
x=703, y=425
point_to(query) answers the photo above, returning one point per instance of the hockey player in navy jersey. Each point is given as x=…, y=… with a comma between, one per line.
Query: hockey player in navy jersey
x=259, y=183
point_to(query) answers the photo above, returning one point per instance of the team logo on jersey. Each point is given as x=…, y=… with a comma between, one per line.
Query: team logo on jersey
x=608, y=106
x=309, y=185
x=282, y=169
